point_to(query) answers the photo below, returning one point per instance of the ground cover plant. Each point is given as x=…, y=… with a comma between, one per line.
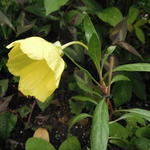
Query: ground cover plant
x=74, y=75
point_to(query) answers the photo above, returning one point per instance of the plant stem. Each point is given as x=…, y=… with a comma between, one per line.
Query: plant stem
x=109, y=84
x=110, y=74
x=80, y=67
x=86, y=47
x=74, y=42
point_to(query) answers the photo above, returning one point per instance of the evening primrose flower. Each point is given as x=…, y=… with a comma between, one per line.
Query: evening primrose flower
x=39, y=65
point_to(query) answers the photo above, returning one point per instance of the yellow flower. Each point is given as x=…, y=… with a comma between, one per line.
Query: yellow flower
x=39, y=65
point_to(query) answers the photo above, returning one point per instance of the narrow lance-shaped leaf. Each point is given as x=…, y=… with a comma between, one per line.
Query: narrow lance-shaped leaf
x=77, y=119
x=119, y=32
x=120, y=77
x=85, y=87
x=140, y=34
x=100, y=127
x=84, y=99
x=89, y=28
x=95, y=50
x=118, y=36
x=142, y=112
x=144, y=67
x=126, y=116
x=108, y=52
x=80, y=67
x=4, y=20
x=129, y=48
x=140, y=23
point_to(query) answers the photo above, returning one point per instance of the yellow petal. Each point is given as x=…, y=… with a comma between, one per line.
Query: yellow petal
x=37, y=80
x=39, y=65
x=38, y=48
x=17, y=60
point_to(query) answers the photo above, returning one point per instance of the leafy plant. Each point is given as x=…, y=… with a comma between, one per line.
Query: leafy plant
x=105, y=74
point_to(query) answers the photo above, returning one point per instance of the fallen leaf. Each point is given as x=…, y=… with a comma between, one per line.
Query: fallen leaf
x=42, y=133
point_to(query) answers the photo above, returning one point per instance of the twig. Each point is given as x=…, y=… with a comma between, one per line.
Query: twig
x=30, y=115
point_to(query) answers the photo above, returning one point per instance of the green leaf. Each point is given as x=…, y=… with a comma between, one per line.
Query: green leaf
x=106, y=15
x=24, y=111
x=122, y=92
x=84, y=99
x=85, y=86
x=144, y=67
x=142, y=112
x=133, y=123
x=142, y=143
x=3, y=61
x=5, y=20
x=140, y=23
x=38, y=144
x=7, y=123
x=76, y=107
x=71, y=143
x=94, y=50
x=120, y=77
x=53, y=5
x=100, y=127
x=133, y=116
x=44, y=105
x=81, y=68
x=77, y=54
x=3, y=87
x=143, y=132
x=119, y=142
x=108, y=52
x=132, y=14
x=117, y=130
x=88, y=28
x=138, y=84
x=77, y=119
x=140, y=34
x=92, y=5
x=37, y=8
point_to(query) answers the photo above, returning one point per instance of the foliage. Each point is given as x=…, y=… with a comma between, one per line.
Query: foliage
x=106, y=53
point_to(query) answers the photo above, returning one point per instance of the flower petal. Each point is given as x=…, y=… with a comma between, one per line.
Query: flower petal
x=38, y=48
x=36, y=77
x=39, y=65
x=17, y=60
x=37, y=80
